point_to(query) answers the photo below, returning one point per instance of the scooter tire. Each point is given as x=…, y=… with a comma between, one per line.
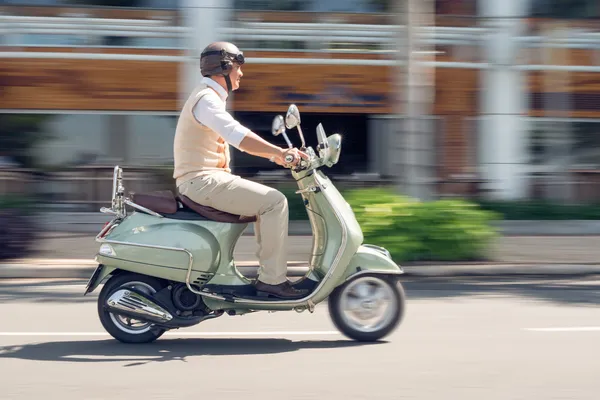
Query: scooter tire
x=335, y=312
x=108, y=323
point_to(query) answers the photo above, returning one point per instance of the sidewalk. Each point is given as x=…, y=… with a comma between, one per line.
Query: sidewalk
x=70, y=255
x=507, y=249
x=91, y=223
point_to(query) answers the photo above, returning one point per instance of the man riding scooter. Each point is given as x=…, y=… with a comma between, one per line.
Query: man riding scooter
x=170, y=263
x=201, y=155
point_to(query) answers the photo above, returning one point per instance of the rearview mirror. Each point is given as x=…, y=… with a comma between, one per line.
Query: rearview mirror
x=277, y=128
x=292, y=118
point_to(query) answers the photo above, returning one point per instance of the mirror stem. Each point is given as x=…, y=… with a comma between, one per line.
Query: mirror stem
x=301, y=137
x=287, y=140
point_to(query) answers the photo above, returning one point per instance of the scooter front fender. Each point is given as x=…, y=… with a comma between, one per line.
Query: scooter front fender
x=370, y=259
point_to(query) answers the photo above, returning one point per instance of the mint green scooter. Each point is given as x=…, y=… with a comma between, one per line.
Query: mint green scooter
x=169, y=263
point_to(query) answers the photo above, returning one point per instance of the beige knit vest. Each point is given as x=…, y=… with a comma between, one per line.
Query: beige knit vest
x=197, y=149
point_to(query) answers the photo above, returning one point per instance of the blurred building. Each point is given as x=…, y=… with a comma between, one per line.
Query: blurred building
x=516, y=84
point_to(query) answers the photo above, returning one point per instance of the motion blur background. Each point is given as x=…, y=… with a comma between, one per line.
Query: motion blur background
x=492, y=101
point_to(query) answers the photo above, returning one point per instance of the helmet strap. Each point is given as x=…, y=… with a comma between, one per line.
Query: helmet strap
x=228, y=81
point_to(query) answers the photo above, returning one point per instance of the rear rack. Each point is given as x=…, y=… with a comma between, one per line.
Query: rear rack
x=119, y=200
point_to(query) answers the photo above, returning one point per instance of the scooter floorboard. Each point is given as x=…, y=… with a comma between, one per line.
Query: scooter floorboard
x=249, y=292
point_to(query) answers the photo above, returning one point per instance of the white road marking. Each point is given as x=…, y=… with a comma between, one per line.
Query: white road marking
x=567, y=329
x=198, y=334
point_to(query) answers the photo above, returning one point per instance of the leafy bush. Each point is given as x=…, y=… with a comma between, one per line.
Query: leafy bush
x=297, y=210
x=17, y=202
x=541, y=210
x=18, y=231
x=444, y=230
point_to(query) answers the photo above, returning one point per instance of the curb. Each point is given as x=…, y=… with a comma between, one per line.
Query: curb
x=83, y=269
x=502, y=270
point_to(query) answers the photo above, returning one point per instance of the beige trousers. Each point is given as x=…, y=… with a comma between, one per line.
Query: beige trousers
x=233, y=194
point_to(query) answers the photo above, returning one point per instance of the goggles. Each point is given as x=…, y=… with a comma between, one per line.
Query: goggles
x=238, y=58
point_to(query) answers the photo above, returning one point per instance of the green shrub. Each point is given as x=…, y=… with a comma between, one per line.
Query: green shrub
x=297, y=210
x=19, y=202
x=18, y=230
x=542, y=210
x=444, y=230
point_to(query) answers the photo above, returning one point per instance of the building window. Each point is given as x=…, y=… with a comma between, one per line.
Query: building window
x=578, y=9
x=456, y=7
x=142, y=139
x=340, y=6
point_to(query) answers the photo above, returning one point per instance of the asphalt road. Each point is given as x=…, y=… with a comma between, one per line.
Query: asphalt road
x=467, y=339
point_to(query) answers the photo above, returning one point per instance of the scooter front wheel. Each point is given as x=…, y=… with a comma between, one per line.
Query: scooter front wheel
x=367, y=308
x=124, y=328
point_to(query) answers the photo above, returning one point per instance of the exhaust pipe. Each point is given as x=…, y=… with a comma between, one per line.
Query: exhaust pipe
x=135, y=304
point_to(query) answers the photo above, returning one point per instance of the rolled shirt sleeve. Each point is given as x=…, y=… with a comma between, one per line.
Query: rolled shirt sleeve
x=210, y=111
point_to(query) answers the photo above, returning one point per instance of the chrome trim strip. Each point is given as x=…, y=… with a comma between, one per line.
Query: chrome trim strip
x=116, y=207
x=361, y=273
x=379, y=249
x=114, y=190
x=105, y=229
x=132, y=302
x=105, y=210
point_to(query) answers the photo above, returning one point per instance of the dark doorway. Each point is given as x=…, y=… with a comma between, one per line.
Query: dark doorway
x=352, y=127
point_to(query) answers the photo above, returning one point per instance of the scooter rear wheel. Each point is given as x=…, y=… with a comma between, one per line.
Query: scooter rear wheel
x=367, y=308
x=123, y=328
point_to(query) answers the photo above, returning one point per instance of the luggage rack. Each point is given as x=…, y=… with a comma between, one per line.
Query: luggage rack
x=119, y=201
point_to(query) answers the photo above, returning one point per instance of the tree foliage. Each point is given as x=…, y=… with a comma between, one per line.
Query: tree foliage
x=20, y=134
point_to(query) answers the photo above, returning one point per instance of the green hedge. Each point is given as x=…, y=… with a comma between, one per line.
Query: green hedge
x=17, y=202
x=296, y=206
x=444, y=230
x=18, y=230
x=540, y=210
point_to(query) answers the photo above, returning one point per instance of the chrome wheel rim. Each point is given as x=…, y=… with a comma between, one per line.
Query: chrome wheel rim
x=368, y=304
x=131, y=325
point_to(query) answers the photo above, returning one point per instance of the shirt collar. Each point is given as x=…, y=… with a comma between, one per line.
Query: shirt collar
x=218, y=88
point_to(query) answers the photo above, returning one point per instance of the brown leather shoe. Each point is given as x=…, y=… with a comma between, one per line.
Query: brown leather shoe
x=283, y=291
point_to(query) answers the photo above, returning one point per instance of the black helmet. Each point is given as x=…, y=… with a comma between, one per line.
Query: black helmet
x=218, y=58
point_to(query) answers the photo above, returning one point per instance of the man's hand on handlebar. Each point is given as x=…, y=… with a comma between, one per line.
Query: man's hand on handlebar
x=291, y=157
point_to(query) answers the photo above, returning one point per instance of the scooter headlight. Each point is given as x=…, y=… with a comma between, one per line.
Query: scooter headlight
x=334, y=144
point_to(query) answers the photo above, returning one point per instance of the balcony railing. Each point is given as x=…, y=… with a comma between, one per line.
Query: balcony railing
x=23, y=37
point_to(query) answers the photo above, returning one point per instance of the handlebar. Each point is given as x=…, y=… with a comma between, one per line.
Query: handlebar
x=302, y=163
x=327, y=150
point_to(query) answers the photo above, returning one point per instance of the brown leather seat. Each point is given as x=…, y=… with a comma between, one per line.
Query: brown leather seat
x=162, y=202
x=214, y=214
x=166, y=203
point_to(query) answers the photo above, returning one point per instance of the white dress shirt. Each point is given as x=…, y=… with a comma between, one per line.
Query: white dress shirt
x=210, y=111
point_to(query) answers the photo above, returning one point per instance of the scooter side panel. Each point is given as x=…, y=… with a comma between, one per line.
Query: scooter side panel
x=209, y=242
x=158, y=271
